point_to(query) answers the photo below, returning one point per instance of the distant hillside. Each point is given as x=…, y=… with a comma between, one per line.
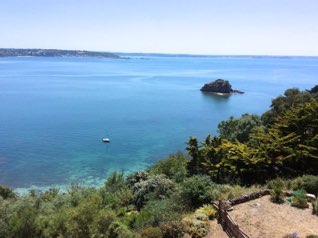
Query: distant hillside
x=55, y=53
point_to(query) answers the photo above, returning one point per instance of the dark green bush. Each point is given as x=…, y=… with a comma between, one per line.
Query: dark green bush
x=23, y=221
x=151, y=232
x=159, y=186
x=115, y=181
x=102, y=222
x=136, y=177
x=175, y=167
x=307, y=182
x=198, y=190
x=172, y=229
x=299, y=199
x=119, y=230
x=81, y=217
x=6, y=192
x=277, y=190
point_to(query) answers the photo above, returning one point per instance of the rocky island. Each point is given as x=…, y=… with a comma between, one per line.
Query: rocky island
x=9, y=52
x=219, y=87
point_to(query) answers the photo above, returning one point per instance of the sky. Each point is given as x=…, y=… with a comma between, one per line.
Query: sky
x=210, y=27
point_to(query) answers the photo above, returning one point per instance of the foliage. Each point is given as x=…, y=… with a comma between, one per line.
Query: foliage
x=193, y=149
x=277, y=190
x=136, y=177
x=314, y=90
x=151, y=232
x=198, y=190
x=299, y=199
x=159, y=186
x=194, y=227
x=115, y=181
x=6, y=193
x=174, y=167
x=292, y=97
x=307, y=182
x=119, y=230
x=287, y=147
x=172, y=229
x=239, y=128
x=208, y=210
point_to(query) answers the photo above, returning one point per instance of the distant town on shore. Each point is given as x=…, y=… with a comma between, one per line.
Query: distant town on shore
x=10, y=52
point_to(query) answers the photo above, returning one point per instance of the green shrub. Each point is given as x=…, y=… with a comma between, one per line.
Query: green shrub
x=154, y=213
x=299, y=199
x=119, y=230
x=175, y=167
x=23, y=221
x=208, y=210
x=312, y=236
x=162, y=210
x=195, y=228
x=6, y=192
x=172, y=229
x=315, y=207
x=136, y=177
x=277, y=190
x=82, y=216
x=102, y=222
x=198, y=190
x=140, y=220
x=151, y=232
x=159, y=186
x=278, y=182
x=307, y=182
x=277, y=195
x=233, y=191
x=115, y=181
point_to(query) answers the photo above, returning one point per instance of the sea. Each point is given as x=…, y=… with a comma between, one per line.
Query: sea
x=54, y=112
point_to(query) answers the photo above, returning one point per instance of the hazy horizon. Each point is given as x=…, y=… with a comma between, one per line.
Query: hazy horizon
x=201, y=27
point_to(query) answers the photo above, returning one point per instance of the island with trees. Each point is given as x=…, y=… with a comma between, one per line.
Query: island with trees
x=219, y=87
x=9, y=52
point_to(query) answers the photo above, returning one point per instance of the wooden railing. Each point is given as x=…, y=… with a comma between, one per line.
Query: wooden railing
x=227, y=223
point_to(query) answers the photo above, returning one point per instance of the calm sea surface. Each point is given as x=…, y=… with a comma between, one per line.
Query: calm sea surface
x=55, y=111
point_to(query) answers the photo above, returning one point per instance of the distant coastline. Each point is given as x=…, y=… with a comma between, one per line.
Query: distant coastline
x=11, y=52
x=36, y=52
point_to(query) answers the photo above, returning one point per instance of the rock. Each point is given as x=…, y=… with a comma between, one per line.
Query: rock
x=219, y=86
x=310, y=197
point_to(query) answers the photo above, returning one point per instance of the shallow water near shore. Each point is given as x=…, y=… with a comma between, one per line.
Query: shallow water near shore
x=55, y=111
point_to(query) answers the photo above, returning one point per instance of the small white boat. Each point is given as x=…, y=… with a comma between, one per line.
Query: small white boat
x=106, y=140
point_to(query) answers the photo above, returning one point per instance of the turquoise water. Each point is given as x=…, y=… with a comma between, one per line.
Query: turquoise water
x=55, y=111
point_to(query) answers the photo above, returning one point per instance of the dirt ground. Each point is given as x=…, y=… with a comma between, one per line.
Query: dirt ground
x=261, y=218
x=216, y=230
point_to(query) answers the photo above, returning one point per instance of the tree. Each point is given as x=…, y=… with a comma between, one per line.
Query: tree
x=291, y=98
x=239, y=128
x=193, y=150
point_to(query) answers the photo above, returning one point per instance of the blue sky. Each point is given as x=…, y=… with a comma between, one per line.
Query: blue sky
x=266, y=27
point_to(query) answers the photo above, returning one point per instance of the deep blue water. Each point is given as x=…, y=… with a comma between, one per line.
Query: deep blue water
x=55, y=111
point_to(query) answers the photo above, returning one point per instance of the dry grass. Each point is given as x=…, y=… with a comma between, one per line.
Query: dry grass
x=274, y=220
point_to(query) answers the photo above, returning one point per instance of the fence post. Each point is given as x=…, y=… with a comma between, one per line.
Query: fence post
x=237, y=231
x=220, y=213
